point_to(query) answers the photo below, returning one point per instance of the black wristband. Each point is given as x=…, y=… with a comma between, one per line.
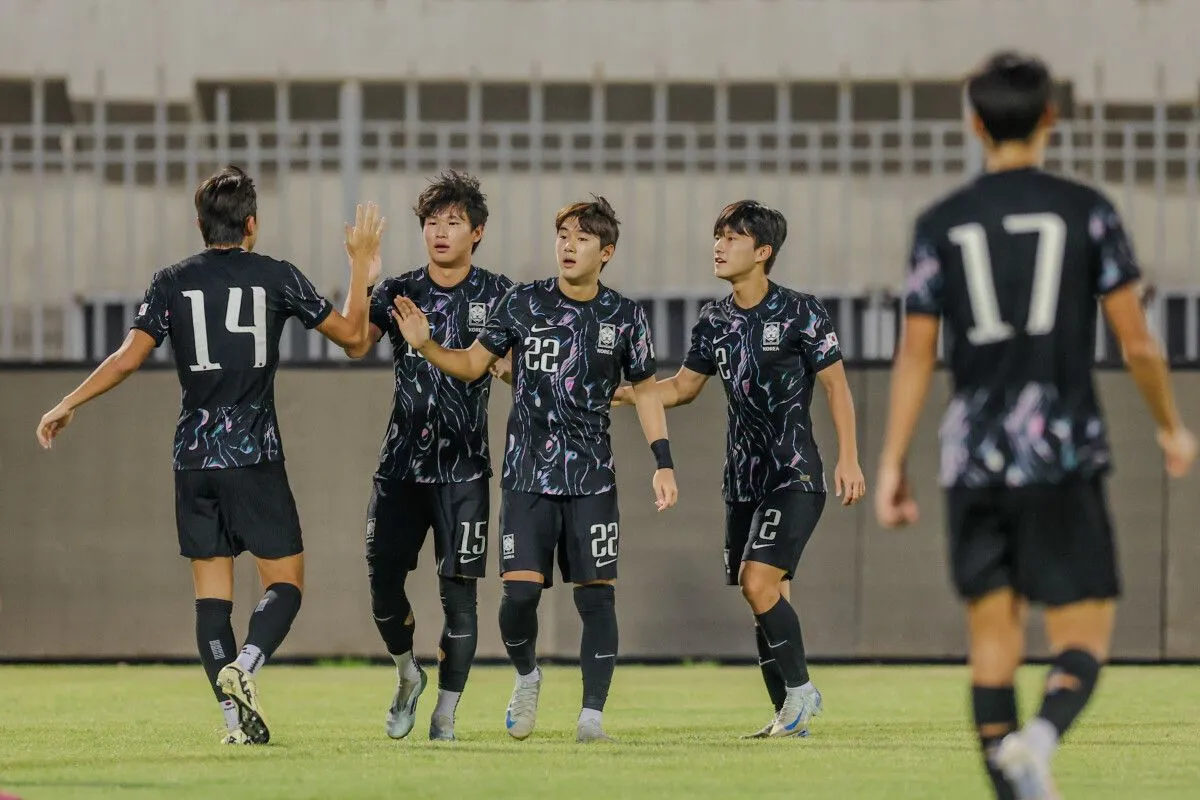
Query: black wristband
x=662, y=454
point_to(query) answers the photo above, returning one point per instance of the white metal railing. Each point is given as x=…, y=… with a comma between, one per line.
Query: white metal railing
x=88, y=211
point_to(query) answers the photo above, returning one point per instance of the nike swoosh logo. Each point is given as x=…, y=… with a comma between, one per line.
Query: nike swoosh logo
x=516, y=644
x=542, y=329
x=459, y=635
x=384, y=619
x=774, y=646
x=757, y=546
x=609, y=655
x=605, y=563
x=469, y=560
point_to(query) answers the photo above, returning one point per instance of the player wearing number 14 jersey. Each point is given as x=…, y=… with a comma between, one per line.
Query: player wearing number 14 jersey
x=1013, y=264
x=224, y=310
x=434, y=464
x=572, y=338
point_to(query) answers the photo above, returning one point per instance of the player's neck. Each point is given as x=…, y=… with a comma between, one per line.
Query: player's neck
x=749, y=290
x=581, y=293
x=1017, y=155
x=448, y=277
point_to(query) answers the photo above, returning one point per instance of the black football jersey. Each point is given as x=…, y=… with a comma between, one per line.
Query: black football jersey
x=438, y=430
x=767, y=358
x=224, y=311
x=568, y=358
x=1013, y=263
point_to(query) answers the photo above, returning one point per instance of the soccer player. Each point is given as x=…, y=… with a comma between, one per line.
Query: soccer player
x=224, y=310
x=434, y=465
x=571, y=338
x=770, y=344
x=1013, y=263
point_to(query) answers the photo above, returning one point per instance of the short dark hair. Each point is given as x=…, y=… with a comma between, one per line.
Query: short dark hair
x=761, y=223
x=595, y=216
x=223, y=204
x=453, y=189
x=1011, y=94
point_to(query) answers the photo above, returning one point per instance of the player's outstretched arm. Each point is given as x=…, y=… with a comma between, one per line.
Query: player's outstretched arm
x=1150, y=372
x=911, y=375
x=128, y=358
x=466, y=365
x=653, y=420
x=374, y=332
x=848, y=479
x=350, y=329
x=678, y=390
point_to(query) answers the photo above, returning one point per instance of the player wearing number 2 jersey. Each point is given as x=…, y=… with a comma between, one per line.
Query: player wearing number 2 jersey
x=224, y=310
x=572, y=339
x=1012, y=264
x=769, y=345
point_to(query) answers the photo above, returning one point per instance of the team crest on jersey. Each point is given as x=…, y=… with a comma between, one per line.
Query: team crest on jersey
x=476, y=316
x=607, y=339
x=509, y=543
x=772, y=333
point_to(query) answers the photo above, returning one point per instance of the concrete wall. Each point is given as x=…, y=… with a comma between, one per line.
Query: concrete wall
x=89, y=565
x=627, y=39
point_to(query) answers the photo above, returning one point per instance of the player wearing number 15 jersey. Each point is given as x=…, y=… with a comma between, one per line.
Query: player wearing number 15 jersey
x=1013, y=264
x=434, y=465
x=224, y=310
x=769, y=345
x=572, y=338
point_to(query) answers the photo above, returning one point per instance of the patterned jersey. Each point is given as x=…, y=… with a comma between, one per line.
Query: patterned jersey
x=224, y=311
x=1013, y=263
x=767, y=357
x=568, y=358
x=438, y=430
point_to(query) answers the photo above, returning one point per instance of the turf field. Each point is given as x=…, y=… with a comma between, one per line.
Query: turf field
x=888, y=732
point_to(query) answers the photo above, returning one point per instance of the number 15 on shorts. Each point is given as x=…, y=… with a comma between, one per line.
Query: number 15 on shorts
x=604, y=543
x=474, y=540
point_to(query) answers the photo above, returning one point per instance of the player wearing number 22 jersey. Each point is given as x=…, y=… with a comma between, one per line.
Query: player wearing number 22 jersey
x=769, y=345
x=572, y=339
x=224, y=310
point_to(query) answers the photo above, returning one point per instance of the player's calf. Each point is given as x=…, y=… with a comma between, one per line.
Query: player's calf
x=218, y=647
x=597, y=608
x=459, y=638
x=519, y=628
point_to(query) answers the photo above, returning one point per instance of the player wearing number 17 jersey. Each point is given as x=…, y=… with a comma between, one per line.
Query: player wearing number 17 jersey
x=572, y=338
x=1013, y=264
x=769, y=345
x=224, y=310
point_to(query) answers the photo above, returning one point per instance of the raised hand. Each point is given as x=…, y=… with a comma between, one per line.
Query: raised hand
x=413, y=324
x=364, y=236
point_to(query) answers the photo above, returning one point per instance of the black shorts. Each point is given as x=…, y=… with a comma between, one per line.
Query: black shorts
x=1052, y=544
x=225, y=512
x=401, y=512
x=772, y=531
x=583, y=529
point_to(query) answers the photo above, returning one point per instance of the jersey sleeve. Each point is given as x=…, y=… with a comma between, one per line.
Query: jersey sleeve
x=818, y=340
x=302, y=300
x=1116, y=265
x=381, y=306
x=638, y=363
x=500, y=333
x=925, y=286
x=153, y=315
x=700, y=353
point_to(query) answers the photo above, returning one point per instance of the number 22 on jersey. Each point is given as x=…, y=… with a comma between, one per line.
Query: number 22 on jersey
x=233, y=313
x=971, y=239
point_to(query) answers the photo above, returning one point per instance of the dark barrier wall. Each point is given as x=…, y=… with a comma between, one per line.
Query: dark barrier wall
x=89, y=566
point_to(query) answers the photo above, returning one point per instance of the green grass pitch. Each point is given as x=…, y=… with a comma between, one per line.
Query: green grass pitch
x=887, y=732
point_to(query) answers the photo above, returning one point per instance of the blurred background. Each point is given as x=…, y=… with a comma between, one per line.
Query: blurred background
x=845, y=114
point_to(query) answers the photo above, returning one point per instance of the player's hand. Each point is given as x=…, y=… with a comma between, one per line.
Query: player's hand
x=53, y=422
x=364, y=236
x=849, y=482
x=623, y=396
x=1179, y=447
x=413, y=324
x=375, y=269
x=894, y=504
x=502, y=369
x=665, y=490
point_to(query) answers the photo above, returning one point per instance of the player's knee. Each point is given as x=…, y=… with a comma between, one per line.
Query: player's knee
x=759, y=590
x=595, y=598
x=521, y=595
x=389, y=599
x=459, y=601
